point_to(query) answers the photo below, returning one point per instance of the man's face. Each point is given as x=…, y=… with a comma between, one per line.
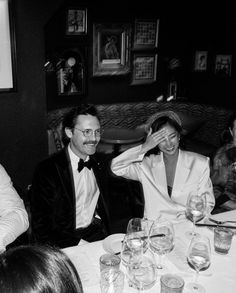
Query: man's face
x=84, y=146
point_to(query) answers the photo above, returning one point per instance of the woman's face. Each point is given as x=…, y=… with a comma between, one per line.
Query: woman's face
x=171, y=143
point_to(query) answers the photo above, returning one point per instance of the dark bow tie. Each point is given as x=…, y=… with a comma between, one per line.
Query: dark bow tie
x=83, y=164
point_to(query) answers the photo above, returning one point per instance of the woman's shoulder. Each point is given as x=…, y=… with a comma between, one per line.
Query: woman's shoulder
x=195, y=156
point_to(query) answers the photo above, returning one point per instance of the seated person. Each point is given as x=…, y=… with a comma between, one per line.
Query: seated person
x=38, y=269
x=224, y=170
x=67, y=200
x=167, y=173
x=13, y=215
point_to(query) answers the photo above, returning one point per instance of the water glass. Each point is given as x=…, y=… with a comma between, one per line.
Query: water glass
x=222, y=240
x=109, y=261
x=112, y=281
x=171, y=283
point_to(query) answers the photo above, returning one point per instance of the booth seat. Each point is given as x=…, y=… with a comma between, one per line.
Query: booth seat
x=202, y=124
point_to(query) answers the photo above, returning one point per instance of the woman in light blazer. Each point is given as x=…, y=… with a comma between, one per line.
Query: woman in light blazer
x=167, y=173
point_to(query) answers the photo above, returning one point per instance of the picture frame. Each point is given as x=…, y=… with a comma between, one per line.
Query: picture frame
x=76, y=21
x=146, y=34
x=223, y=65
x=8, y=47
x=111, y=49
x=70, y=73
x=144, y=68
x=200, y=61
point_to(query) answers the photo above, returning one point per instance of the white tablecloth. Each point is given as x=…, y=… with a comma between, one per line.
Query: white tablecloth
x=220, y=277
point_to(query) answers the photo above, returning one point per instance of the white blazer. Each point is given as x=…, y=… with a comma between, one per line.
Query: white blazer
x=192, y=174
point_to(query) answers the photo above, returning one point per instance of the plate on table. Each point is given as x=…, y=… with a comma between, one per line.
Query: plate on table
x=112, y=243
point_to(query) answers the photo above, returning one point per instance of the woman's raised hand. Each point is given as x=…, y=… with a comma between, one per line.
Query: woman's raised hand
x=153, y=139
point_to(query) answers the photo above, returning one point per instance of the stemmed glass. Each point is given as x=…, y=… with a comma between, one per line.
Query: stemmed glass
x=161, y=239
x=137, y=233
x=210, y=204
x=195, y=210
x=199, y=258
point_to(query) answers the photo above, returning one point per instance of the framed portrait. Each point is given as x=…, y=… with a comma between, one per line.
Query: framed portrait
x=76, y=21
x=146, y=34
x=144, y=68
x=200, y=61
x=70, y=73
x=111, y=49
x=223, y=65
x=8, y=47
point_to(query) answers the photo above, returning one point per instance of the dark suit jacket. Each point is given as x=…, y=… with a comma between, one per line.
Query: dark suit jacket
x=52, y=200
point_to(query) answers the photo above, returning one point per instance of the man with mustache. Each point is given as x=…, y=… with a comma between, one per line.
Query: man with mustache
x=68, y=189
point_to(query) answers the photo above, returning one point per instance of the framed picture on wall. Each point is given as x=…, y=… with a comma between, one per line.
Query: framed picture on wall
x=70, y=74
x=223, y=64
x=200, y=61
x=8, y=48
x=146, y=34
x=76, y=21
x=144, y=68
x=111, y=49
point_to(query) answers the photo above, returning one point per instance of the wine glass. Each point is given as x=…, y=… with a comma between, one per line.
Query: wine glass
x=210, y=204
x=142, y=274
x=199, y=258
x=161, y=239
x=137, y=233
x=195, y=210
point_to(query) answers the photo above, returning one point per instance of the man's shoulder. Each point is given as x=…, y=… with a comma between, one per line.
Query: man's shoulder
x=53, y=159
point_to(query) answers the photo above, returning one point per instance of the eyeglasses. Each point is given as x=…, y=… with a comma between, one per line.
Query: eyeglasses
x=89, y=132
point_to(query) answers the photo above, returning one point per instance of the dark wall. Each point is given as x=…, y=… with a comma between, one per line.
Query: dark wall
x=184, y=28
x=23, y=113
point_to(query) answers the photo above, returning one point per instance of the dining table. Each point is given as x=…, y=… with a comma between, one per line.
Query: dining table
x=220, y=277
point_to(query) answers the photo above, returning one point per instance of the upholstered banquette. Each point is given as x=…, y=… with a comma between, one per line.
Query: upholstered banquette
x=203, y=124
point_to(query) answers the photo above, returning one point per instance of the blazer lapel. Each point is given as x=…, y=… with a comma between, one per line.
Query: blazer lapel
x=65, y=173
x=159, y=173
x=181, y=173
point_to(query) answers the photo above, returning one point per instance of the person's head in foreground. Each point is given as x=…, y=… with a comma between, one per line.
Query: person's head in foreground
x=37, y=269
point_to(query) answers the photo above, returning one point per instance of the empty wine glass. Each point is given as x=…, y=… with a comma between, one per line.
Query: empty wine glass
x=161, y=239
x=199, y=258
x=195, y=210
x=142, y=274
x=137, y=233
x=210, y=204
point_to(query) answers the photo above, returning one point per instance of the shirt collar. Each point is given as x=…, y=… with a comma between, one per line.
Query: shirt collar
x=74, y=158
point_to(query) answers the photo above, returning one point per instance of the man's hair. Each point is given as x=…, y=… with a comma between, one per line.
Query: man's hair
x=69, y=120
x=39, y=269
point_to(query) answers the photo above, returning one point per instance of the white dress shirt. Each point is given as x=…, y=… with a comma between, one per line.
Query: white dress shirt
x=192, y=174
x=86, y=191
x=13, y=216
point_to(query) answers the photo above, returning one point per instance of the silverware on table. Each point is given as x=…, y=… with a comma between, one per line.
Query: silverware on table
x=215, y=225
x=220, y=222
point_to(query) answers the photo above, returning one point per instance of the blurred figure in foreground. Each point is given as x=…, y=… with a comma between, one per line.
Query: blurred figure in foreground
x=13, y=215
x=37, y=269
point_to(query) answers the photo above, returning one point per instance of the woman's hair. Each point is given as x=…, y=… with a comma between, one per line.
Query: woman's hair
x=37, y=269
x=159, y=123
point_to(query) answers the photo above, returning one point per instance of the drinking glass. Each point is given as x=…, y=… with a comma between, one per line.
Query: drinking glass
x=137, y=233
x=161, y=239
x=142, y=272
x=195, y=210
x=210, y=204
x=199, y=258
